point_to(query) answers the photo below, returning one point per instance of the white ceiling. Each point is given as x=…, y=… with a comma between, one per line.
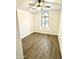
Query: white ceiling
x=24, y=5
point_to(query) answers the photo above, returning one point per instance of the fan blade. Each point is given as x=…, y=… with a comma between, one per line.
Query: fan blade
x=47, y=6
x=31, y=4
x=52, y=3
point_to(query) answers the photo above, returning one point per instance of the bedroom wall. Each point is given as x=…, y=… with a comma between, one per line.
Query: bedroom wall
x=19, y=52
x=54, y=18
x=60, y=36
x=30, y=23
x=25, y=22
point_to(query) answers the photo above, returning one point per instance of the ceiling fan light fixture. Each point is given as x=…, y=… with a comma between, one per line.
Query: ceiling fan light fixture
x=39, y=8
x=41, y=5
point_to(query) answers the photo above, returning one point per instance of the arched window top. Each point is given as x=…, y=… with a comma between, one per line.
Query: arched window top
x=44, y=20
x=45, y=13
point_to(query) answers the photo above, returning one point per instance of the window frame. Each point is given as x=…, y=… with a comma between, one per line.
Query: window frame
x=42, y=16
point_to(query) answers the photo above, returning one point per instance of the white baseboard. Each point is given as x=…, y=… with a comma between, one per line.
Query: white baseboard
x=26, y=35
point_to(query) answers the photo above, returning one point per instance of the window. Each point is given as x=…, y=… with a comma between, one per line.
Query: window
x=44, y=20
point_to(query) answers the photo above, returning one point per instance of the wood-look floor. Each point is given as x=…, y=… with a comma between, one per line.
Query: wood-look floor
x=41, y=46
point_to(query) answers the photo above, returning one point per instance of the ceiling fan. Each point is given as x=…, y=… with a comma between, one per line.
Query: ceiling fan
x=41, y=4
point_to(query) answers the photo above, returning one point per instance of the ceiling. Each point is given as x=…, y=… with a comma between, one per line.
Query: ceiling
x=24, y=5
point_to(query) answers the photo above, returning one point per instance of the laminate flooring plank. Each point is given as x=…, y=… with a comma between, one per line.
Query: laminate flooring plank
x=41, y=46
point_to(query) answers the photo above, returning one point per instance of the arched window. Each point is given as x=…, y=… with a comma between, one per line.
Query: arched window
x=44, y=20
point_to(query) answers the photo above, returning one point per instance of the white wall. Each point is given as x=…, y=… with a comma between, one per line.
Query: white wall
x=19, y=52
x=54, y=18
x=25, y=23
x=60, y=36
